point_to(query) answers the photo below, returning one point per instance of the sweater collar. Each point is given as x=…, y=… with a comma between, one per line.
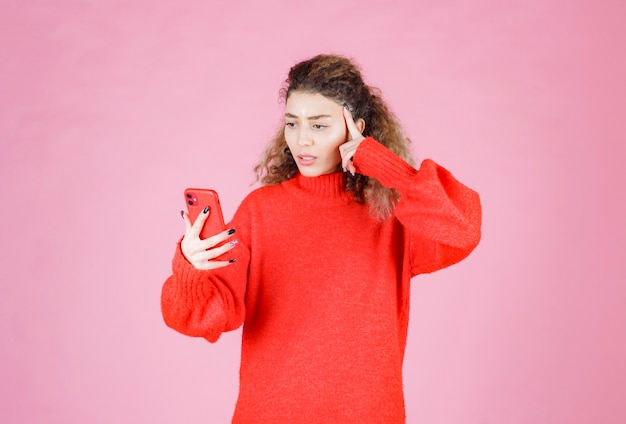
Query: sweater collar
x=325, y=186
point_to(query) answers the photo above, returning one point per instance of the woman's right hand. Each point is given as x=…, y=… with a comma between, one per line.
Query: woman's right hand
x=201, y=253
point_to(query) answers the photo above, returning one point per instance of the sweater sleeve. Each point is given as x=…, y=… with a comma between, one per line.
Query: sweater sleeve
x=441, y=216
x=206, y=303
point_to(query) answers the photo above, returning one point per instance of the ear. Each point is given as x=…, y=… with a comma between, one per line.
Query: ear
x=360, y=124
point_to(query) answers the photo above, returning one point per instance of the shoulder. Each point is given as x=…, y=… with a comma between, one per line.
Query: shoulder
x=268, y=192
x=261, y=197
x=260, y=207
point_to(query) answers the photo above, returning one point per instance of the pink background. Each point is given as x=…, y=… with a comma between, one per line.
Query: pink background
x=108, y=110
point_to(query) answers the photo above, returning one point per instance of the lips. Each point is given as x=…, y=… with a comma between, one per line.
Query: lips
x=306, y=159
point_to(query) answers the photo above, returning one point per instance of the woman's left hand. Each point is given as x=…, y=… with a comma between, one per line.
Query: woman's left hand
x=348, y=148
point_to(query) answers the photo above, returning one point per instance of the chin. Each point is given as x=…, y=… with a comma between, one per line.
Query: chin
x=307, y=172
x=316, y=171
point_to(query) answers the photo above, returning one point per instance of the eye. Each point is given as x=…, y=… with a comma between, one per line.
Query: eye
x=319, y=126
x=289, y=124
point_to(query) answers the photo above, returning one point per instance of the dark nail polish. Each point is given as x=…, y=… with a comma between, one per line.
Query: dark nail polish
x=182, y=214
x=206, y=210
x=231, y=231
x=346, y=106
x=231, y=261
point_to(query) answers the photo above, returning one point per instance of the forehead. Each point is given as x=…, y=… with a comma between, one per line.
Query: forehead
x=304, y=103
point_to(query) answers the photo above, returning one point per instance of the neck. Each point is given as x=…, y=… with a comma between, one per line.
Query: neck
x=325, y=186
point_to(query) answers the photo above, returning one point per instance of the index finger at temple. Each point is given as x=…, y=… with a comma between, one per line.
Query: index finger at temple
x=354, y=131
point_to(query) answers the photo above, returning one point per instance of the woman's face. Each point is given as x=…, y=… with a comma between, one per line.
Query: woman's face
x=314, y=129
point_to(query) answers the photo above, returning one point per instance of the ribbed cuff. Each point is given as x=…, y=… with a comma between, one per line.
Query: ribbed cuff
x=377, y=161
x=191, y=285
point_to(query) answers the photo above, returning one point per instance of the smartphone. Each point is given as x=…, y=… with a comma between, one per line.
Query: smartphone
x=199, y=198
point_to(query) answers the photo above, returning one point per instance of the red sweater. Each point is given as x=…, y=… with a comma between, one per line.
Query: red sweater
x=322, y=289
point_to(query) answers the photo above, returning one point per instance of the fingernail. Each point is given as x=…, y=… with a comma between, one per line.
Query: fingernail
x=234, y=242
x=206, y=210
x=346, y=106
x=231, y=261
x=231, y=231
x=182, y=214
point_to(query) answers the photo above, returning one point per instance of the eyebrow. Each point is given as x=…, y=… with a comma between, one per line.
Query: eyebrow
x=289, y=115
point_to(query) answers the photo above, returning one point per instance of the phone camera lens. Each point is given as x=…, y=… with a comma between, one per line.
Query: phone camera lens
x=188, y=195
x=190, y=202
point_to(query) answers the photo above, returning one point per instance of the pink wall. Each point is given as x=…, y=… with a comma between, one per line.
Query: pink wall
x=109, y=109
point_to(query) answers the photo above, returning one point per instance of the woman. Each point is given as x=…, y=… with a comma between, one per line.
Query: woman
x=322, y=259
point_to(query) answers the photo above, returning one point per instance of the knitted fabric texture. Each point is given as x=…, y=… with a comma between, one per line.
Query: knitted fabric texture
x=321, y=288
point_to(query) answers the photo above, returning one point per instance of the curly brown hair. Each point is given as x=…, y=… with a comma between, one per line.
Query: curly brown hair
x=339, y=78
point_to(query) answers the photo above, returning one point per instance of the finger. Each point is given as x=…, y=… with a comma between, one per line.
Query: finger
x=201, y=258
x=206, y=265
x=218, y=238
x=196, y=228
x=345, y=162
x=210, y=254
x=185, y=216
x=350, y=124
x=350, y=168
x=347, y=152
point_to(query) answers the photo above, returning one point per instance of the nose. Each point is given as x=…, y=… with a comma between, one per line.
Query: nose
x=305, y=138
